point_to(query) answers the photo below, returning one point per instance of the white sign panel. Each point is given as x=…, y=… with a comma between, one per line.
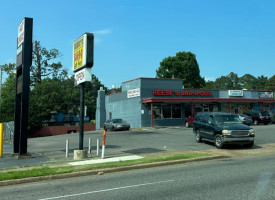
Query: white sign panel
x=83, y=75
x=20, y=37
x=19, y=50
x=235, y=93
x=133, y=93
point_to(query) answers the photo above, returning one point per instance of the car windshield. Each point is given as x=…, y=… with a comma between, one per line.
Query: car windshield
x=265, y=114
x=228, y=119
x=117, y=121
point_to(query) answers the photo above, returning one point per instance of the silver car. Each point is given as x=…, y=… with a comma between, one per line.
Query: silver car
x=116, y=124
x=245, y=119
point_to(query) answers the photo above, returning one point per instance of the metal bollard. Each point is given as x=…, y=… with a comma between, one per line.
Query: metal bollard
x=67, y=148
x=89, y=147
x=97, y=147
x=103, y=145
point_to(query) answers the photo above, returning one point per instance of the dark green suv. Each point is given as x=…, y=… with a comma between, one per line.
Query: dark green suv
x=222, y=128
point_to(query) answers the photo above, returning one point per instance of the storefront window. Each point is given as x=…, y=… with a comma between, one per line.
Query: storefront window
x=166, y=111
x=157, y=114
x=176, y=111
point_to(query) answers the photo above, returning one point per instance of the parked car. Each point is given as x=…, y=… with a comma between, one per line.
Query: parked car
x=245, y=119
x=259, y=117
x=189, y=121
x=222, y=128
x=116, y=124
x=272, y=115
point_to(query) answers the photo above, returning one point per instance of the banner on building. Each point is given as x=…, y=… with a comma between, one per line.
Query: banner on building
x=235, y=93
x=266, y=95
x=133, y=93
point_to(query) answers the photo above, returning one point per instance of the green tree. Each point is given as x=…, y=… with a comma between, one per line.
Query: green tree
x=271, y=83
x=43, y=65
x=249, y=82
x=262, y=82
x=182, y=66
x=7, y=99
x=52, y=95
x=231, y=82
x=8, y=68
x=210, y=85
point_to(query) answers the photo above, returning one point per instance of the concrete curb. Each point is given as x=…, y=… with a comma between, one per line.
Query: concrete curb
x=105, y=170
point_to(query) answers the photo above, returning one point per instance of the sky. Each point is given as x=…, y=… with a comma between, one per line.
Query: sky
x=132, y=37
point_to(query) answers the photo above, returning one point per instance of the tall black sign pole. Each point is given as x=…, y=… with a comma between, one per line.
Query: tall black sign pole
x=23, y=64
x=81, y=121
x=83, y=60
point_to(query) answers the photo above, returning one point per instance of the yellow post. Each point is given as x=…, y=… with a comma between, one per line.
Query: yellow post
x=1, y=138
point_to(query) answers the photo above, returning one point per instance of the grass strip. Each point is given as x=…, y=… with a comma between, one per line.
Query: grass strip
x=46, y=171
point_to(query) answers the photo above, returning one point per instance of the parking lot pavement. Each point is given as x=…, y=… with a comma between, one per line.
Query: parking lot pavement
x=140, y=141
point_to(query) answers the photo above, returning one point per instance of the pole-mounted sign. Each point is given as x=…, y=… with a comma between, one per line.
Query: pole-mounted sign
x=83, y=61
x=83, y=52
x=23, y=64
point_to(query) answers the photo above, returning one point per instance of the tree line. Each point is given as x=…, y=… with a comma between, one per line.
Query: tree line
x=52, y=90
x=185, y=66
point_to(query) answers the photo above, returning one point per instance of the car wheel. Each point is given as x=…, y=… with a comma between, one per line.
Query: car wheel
x=265, y=123
x=105, y=129
x=198, y=136
x=187, y=124
x=218, y=141
x=256, y=122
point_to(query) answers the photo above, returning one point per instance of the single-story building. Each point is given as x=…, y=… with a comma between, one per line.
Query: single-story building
x=150, y=102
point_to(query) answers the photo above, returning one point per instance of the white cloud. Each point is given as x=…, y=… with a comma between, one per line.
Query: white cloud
x=103, y=31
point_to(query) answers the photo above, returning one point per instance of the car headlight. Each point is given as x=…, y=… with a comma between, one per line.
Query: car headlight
x=251, y=132
x=226, y=132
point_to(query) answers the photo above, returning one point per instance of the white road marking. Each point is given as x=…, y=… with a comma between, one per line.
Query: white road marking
x=97, y=161
x=107, y=190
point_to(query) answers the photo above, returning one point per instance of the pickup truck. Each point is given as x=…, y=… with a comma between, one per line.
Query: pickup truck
x=222, y=128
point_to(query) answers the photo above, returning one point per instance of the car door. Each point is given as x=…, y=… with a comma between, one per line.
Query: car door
x=204, y=120
x=209, y=128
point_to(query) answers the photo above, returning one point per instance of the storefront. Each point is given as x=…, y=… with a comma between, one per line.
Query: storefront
x=149, y=102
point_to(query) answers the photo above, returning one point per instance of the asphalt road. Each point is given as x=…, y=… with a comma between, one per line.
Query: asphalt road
x=236, y=179
x=144, y=141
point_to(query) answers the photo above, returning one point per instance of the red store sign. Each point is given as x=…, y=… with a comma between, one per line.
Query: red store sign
x=181, y=93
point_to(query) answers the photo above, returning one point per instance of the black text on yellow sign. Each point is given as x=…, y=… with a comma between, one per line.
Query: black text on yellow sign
x=78, y=54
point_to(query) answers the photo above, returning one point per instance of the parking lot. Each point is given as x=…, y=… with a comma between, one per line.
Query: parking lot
x=140, y=141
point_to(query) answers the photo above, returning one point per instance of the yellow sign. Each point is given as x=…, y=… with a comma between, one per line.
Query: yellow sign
x=78, y=53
